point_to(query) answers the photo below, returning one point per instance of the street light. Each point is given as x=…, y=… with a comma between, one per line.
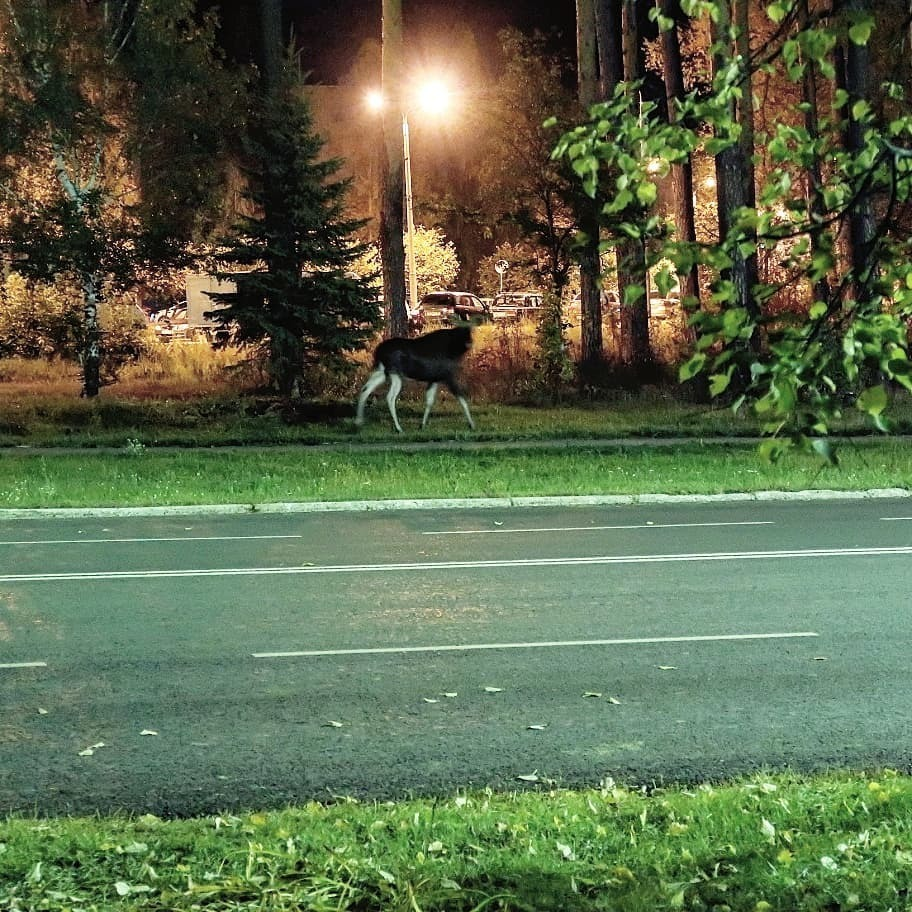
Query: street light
x=431, y=96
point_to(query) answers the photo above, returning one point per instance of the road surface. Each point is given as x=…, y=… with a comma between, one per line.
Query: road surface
x=200, y=664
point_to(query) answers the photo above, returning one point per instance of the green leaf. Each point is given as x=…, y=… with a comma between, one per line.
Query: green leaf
x=689, y=369
x=873, y=400
x=646, y=193
x=860, y=32
x=718, y=383
x=777, y=11
x=823, y=448
x=773, y=448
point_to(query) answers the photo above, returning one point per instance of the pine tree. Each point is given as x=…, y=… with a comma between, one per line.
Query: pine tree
x=299, y=296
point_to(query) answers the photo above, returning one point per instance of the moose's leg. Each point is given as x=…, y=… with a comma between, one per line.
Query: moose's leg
x=392, y=395
x=429, y=398
x=460, y=395
x=373, y=381
x=465, y=407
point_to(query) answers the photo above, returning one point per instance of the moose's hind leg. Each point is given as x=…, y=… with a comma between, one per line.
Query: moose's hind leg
x=392, y=394
x=372, y=382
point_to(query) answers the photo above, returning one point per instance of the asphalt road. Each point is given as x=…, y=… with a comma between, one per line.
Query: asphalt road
x=200, y=664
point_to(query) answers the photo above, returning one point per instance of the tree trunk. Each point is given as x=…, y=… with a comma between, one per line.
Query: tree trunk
x=861, y=218
x=814, y=176
x=610, y=56
x=734, y=174
x=633, y=281
x=682, y=188
x=392, y=248
x=590, y=267
x=271, y=49
x=90, y=356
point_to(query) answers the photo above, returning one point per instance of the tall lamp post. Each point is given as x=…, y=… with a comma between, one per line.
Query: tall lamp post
x=431, y=97
x=409, y=221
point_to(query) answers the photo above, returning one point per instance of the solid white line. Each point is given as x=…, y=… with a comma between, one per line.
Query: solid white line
x=174, y=538
x=459, y=565
x=895, y=518
x=696, y=525
x=548, y=644
x=23, y=664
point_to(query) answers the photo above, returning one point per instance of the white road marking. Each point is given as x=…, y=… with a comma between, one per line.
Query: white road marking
x=547, y=644
x=764, y=522
x=425, y=566
x=895, y=518
x=23, y=664
x=175, y=538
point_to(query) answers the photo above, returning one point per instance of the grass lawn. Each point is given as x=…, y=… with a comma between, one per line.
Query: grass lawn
x=145, y=477
x=832, y=842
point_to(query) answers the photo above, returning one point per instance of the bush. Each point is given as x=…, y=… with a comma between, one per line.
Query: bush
x=44, y=320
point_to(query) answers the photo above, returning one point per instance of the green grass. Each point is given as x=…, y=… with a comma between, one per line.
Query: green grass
x=54, y=420
x=827, y=843
x=145, y=477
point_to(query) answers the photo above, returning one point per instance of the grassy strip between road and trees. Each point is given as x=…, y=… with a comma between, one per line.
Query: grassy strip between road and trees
x=829, y=842
x=137, y=476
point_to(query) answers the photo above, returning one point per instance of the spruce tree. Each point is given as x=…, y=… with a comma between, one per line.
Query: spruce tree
x=298, y=296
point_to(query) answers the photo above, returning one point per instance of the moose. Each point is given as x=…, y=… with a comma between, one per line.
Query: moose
x=433, y=358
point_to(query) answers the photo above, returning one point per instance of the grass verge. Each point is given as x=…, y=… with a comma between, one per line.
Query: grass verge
x=831, y=842
x=145, y=477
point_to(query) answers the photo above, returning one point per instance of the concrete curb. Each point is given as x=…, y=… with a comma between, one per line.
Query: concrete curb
x=503, y=503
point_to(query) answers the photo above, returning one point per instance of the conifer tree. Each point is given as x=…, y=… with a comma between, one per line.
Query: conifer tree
x=298, y=295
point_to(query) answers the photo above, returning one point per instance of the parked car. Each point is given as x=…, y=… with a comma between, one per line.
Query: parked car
x=517, y=305
x=449, y=307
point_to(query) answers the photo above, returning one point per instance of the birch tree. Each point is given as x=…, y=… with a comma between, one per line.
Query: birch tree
x=76, y=82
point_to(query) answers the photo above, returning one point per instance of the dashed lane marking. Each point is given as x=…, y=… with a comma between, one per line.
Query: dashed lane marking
x=547, y=644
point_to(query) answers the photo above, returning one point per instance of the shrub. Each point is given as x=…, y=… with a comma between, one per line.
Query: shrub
x=44, y=320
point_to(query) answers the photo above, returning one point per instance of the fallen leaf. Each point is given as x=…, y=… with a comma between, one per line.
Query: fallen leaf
x=333, y=724
x=450, y=694
x=493, y=690
x=148, y=731
x=667, y=667
x=529, y=777
x=592, y=693
x=91, y=750
x=536, y=728
x=42, y=711
x=498, y=522
x=430, y=700
x=435, y=846
x=820, y=658
x=565, y=851
x=614, y=701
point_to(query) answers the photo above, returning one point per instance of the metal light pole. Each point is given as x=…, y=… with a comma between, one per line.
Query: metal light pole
x=409, y=220
x=433, y=94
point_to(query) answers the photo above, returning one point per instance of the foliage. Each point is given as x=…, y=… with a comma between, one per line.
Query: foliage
x=814, y=359
x=553, y=368
x=535, y=192
x=526, y=268
x=43, y=320
x=299, y=297
x=89, y=101
x=436, y=263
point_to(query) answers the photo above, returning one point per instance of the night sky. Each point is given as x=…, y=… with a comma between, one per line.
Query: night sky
x=329, y=33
